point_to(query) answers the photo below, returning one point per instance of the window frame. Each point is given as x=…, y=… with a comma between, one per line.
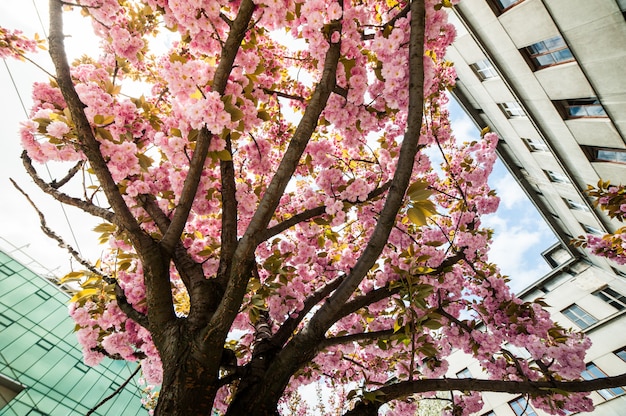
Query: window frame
x=498, y=8
x=579, y=316
x=593, y=372
x=576, y=206
x=612, y=297
x=523, y=407
x=484, y=70
x=512, y=109
x=570, y=109
x=535, y=51
x=556, y=177
x=621, y=353
x=593, y=154
x=464, y=373
x=590, y=229
x=536, y=144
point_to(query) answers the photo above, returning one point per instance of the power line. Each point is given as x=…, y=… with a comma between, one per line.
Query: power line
x=19, y=96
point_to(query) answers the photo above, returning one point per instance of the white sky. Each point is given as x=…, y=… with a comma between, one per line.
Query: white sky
x=520, y=234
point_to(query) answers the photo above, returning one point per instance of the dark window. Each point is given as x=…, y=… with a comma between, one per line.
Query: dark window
x=6, y=270
x=604, y=154
x=464, y=373
x=578, y=206
x=8, y=390
x=556, y=177
x=593, y=372
x=484, y=69
x=579, y=316
x=591, y=230
x=521, y=407
x=5, y=321
x=45, y=344
x=535, y=145
x=612, y=297
x=580, y=108
x=43, y=294
x=500, y=6
x=548, y=52
x=512, y=109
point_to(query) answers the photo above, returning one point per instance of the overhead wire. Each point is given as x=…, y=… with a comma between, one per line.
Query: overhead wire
x=21, y=100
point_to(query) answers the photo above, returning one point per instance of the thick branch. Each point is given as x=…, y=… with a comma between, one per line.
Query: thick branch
x=89, y=145
x=311, y=213
x=363, y=336
x=229, y=214
x=303, y=346
x=154, y=260
x=229, y=52
x=533, y=388
x=52, y=190
x=128, y=309
x=244, y=255
x=289, y=326
x=204, y=294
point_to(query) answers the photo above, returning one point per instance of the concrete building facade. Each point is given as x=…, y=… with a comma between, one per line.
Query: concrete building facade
x=549, y=77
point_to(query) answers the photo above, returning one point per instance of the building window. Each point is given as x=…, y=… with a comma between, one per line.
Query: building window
x=549, y=52
x=578, y=206
x=512, y=109
x=592, y=372
x=591, y=230
x=489, y=414
x=604, y=154
x=4, y=321
x=556, y=176
x=521, y=407
x=535, y=145
x=580, y=108
x=579, y=316
x=500, y=6
x=464, y=373
x=6, y=270
x=484, y=69
x=621, y=353
x=612, y=297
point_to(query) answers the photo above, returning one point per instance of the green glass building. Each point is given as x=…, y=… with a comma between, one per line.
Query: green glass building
x=41, y=367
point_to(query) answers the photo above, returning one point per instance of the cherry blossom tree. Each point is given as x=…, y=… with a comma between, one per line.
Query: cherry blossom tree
x=286, y=205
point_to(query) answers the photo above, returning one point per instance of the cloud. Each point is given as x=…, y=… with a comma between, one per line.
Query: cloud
x=509, y=191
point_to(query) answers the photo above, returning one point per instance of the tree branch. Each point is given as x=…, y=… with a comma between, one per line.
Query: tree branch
x=533, y=388
x=302, y=347
x=154, y=260
x=325, y=316
x=128, y=309
x=244, y=255
x=363, y=336
x=312, y=213
x=70, y=174
x=51, y=190
x=51, y=234
x=289, y=326
x=119, y=389
x=238, y=31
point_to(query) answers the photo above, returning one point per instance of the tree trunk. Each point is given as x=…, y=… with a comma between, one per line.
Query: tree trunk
x=190, y=377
